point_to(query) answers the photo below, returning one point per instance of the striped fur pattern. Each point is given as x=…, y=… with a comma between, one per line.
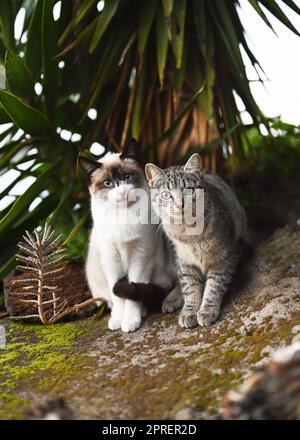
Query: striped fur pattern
x=207, y=261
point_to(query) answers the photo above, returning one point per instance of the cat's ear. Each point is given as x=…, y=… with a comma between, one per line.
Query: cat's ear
x=153, y=173
x=130, y=150
x=89, y=165
x=194, y=165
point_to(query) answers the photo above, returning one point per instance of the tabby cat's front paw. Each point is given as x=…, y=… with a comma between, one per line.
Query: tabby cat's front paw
x=207, y=317
x=171, y=304
x=187, y=319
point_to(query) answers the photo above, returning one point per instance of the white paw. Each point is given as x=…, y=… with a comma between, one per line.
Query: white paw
x=114, y=323
x=131, y=324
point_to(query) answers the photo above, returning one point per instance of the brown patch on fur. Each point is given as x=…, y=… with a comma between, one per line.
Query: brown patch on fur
x=150, y=295
x=115, y=171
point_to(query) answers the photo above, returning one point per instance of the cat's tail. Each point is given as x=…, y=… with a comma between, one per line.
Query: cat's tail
x=150, y=295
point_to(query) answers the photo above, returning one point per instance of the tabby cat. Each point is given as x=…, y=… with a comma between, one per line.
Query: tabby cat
x=207, y=260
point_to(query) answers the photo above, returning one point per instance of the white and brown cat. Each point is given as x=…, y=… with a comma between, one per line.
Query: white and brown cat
x=122, y=250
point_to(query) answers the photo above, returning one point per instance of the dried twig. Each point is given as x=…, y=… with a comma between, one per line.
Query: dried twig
x=41, y=256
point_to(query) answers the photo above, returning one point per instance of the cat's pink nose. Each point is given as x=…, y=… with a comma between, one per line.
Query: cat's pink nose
x=179, y=202
x=121, y=195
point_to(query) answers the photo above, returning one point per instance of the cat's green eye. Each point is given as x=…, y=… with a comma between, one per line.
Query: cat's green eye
x=166, y=195
x=108, y=183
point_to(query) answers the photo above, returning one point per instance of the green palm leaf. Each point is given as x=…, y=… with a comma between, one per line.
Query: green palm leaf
x=161, y=43
x=133, y=68
x=27, y=118
x=147, y=12
x=49, y=50
x=168, y=7
x=178, y=28
x=33, y=50
x=22, y=203
x=273, y=7
x=18, y=77
x=103, y=22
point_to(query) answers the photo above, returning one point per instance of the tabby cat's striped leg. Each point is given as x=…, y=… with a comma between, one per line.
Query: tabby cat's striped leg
x=217, y=284
x=173, y=301
x=192, y=283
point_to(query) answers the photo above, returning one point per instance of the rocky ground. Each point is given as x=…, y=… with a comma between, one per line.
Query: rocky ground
x=160, y=370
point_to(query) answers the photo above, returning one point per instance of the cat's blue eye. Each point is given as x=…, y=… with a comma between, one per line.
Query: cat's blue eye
x=127, y=177
x=166, y=195
x=108, y=183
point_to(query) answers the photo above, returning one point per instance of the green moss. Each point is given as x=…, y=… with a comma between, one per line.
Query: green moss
x=37, y=355
x=2, y=302
x=58, y=335
x=13, y=407
x=275, y=259
x=53, y=360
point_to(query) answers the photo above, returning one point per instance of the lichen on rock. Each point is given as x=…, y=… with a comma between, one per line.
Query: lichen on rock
x=160, y=369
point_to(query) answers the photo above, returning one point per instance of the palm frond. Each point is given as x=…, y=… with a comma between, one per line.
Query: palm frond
x=137, y=64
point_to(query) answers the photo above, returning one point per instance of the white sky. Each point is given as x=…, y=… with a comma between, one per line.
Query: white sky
x=280, y=59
